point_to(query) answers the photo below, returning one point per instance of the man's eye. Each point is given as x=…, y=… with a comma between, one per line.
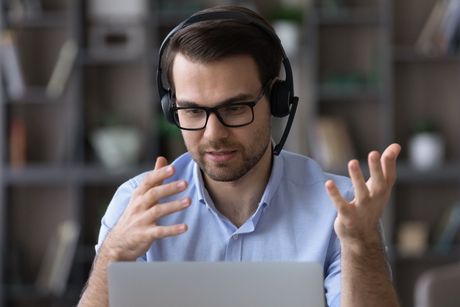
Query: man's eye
x=235, y=109
x=193, y=112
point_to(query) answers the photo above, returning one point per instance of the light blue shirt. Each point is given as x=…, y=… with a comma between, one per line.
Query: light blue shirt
x=293, y=222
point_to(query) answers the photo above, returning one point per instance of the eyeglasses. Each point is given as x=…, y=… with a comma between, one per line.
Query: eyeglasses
x=233, y=115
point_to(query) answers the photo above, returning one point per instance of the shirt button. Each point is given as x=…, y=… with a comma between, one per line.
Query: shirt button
x=235, y=237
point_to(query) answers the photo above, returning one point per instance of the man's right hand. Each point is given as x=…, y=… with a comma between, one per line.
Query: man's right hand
x=137, y=227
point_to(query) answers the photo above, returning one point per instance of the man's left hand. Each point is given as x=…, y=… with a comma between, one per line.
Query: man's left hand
x=357, y=221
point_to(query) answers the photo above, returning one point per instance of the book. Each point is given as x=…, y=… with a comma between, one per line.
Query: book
x=438, y=34
x=412, y=238
x=17, y=142
x=11, y=67
x=444, y=37
x=62, y=69
x=447, y=229
x=424, y=41
x=57, y=262
x=332, y=146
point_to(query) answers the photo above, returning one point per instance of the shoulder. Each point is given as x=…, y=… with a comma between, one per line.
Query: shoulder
x=297, y=166
x=303, y=171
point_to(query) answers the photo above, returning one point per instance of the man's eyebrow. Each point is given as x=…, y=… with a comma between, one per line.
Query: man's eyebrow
x=234, y=99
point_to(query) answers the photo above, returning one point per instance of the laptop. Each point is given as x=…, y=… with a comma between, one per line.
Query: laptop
x=215, y=284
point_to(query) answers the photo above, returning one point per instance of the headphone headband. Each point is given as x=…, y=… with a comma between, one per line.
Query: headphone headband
x=223, y=15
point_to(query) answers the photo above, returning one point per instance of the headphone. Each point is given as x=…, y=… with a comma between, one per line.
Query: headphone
x=282, y=99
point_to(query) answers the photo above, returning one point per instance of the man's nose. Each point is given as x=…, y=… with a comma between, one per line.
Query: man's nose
x=214, y=128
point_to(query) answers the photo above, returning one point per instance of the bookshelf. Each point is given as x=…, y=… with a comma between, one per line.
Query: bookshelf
x=359, y=54
x=425, y=87
x=382, y=97
x=59, y=175
x=352, y=70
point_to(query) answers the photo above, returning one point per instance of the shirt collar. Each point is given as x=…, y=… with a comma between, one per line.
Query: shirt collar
x=203, y=195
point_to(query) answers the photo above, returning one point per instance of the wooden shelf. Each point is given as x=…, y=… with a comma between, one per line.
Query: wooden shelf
x=34, y=95
x=432, y=256
x=37, y=174
x=408, y=55
x=449, y=172
x=31, y=293
x=97, y=174
x=66, y=174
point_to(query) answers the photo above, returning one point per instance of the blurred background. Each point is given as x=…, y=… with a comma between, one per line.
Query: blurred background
x=80, y=114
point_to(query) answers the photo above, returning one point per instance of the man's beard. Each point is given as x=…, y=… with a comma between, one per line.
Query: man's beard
x=244, y=160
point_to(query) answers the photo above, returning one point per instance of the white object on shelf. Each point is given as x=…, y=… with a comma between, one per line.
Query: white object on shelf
x=426, y=150
x=116, y=146
x=117, y=9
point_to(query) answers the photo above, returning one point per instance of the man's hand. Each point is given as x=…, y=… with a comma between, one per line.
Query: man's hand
x=365, y=277
x=357, y=221
x=137, y=227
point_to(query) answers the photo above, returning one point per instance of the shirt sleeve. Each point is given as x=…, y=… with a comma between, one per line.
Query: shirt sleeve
x=332, y=272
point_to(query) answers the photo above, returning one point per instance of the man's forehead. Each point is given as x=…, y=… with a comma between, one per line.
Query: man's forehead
x=230, y=69
x=214, y=82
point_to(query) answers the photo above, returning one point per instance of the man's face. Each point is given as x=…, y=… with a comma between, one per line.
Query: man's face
x=223, y=153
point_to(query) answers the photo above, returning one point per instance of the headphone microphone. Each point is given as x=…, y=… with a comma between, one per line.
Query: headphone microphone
x=282, y=99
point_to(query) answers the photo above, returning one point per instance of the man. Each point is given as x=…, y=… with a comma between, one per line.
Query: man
x=230, y=198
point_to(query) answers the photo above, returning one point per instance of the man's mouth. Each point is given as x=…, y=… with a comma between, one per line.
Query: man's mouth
x=221, y=155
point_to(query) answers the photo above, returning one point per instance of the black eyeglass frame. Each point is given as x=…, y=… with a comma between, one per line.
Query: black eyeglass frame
x=215, y=110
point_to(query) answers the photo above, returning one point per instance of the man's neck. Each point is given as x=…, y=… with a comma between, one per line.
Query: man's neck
x=238, y=200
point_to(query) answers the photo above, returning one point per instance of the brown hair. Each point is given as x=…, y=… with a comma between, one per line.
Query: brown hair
x=213, y=40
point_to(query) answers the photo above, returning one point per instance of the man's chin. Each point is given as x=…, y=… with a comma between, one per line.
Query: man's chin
x=222, y=172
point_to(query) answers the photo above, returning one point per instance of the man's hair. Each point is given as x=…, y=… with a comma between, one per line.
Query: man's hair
x=214, y=40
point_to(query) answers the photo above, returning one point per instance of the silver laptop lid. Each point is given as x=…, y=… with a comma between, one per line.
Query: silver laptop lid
x=216, y=284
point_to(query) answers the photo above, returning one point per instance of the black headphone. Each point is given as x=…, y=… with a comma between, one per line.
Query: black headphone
x=282, y=99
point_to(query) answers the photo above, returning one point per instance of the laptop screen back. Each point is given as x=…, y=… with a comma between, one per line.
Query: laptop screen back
x=212, y=284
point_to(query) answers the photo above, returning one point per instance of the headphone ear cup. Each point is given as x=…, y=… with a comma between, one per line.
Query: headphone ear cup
x=166, y=105
x=279, y=99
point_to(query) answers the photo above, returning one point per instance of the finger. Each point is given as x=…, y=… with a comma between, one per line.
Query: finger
x=357, y=178
x=160, y=162
x=155, y=194
x=158, y=232
x=165, y=209
x=334, y=193
x=155, y=178
x=377, y=180
x=389, y=157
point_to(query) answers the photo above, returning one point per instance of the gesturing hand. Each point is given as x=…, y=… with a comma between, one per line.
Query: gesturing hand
x=357, y=221
x=137, y=227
